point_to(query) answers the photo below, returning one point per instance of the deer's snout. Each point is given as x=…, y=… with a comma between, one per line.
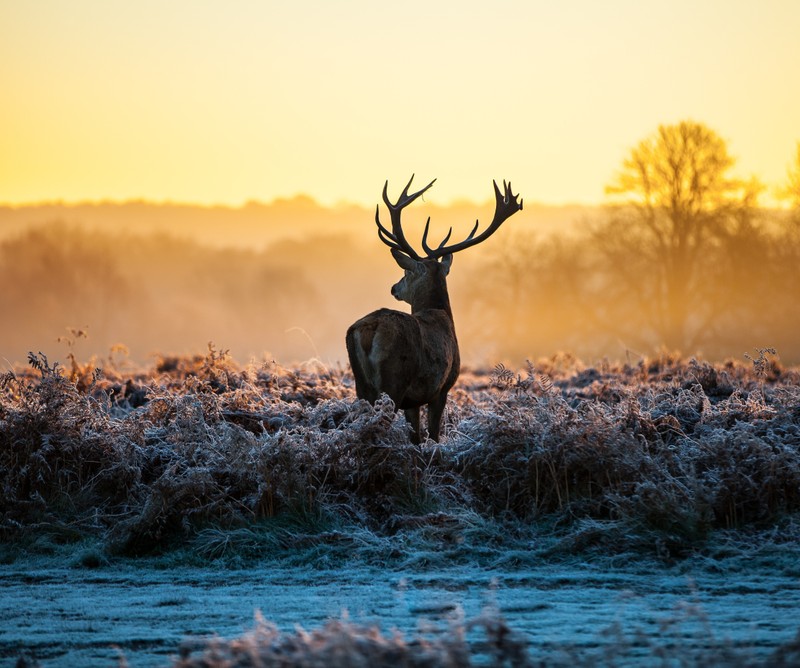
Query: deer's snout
x=396, y=291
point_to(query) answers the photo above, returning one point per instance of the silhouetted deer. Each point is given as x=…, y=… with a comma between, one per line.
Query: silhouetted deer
x=414, y=358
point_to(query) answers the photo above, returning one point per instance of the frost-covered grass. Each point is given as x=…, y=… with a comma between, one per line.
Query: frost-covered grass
x=341, y=643
x=201, y=455
x=486, y=640
x=200, y=460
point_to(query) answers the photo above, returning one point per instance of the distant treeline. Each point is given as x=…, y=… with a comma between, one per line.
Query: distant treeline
x=684, y=259
x=597, y=297
x=523, y=296
x=255, y=225
x=160, y=295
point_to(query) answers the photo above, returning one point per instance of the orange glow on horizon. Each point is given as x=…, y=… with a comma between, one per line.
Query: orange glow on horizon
x=193, y=102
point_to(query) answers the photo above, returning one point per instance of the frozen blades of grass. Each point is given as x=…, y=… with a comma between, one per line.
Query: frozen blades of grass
x=341, y=643
x=358, y=423
x=217, y=544
x=775, y=548
x=435, y=540
x=294, y=542
x=649, y=455
x=590, y=536
x=188, y=478
x=542, y=459
x=658, y=447
x=364, y=465
x=685, y=637
x=448, y=537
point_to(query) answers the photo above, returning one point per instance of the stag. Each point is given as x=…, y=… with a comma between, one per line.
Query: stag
x=414, y=358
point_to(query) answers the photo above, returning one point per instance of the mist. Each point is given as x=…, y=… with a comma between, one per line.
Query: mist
x=283, y=282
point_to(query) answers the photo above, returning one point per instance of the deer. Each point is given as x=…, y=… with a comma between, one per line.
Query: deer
x=414, y=358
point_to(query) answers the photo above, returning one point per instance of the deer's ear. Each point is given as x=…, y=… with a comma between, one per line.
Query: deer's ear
x=405, y=262
x=446, y=263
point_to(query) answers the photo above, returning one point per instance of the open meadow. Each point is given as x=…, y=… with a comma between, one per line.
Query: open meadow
x=572, y=514
x=254, y=174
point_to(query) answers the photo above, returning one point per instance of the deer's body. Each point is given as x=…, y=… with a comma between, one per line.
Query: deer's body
x=414, y=358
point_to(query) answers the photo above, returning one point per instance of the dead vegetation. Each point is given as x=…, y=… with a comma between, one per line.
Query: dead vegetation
x=268, y=462
x=484, y=641
x=342, y=643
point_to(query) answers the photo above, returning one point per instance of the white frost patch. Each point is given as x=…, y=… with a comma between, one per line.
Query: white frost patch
x=69, y=617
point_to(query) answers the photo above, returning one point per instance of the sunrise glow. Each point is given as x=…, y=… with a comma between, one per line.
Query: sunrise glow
x=208, y=102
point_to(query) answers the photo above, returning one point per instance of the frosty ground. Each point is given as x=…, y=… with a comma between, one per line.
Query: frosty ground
x=571, y=515
x=92, y=617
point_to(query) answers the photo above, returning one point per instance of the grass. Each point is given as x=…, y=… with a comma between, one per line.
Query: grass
x=262, y=460
x=200, y=460
x=342, y=643
x=486, y=640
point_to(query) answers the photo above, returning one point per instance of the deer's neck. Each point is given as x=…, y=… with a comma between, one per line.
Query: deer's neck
x=435, y=297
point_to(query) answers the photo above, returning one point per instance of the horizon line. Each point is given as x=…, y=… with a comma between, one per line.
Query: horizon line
x=254, y=202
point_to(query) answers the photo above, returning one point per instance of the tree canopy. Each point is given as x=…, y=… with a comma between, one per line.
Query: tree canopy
x=680, y=206
x=792, y=190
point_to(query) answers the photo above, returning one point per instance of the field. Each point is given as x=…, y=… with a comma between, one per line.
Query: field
x=661, y=482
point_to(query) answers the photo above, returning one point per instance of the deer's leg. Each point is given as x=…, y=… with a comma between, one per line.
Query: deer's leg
x=435, y=411
x=412, y=417
x=359, y=342
x=363, y=388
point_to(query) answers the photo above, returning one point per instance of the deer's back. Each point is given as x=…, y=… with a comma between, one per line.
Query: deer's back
x=416, y=353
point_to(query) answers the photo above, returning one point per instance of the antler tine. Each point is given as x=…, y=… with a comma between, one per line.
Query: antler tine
x=506, y=205
x=385, y=235
x=428, y=250
x=396, y=239
x=405, y=199
x=474, y=229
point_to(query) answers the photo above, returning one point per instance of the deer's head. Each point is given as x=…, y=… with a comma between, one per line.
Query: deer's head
x=422, y=279
x=423, y=284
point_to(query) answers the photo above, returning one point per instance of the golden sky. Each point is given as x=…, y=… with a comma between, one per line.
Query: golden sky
x=223, y=102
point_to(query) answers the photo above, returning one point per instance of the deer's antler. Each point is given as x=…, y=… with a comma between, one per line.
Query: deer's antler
x=396, y=239
x=506, y=206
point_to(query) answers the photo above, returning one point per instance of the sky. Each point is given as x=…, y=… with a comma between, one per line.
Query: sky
x=225, y=102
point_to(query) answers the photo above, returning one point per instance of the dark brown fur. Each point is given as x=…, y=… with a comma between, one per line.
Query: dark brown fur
x=414, y=357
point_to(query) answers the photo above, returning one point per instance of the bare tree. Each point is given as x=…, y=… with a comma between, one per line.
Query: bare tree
x=522, y=300
x=784, y=307
x=791, y=191
x=661, y=245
